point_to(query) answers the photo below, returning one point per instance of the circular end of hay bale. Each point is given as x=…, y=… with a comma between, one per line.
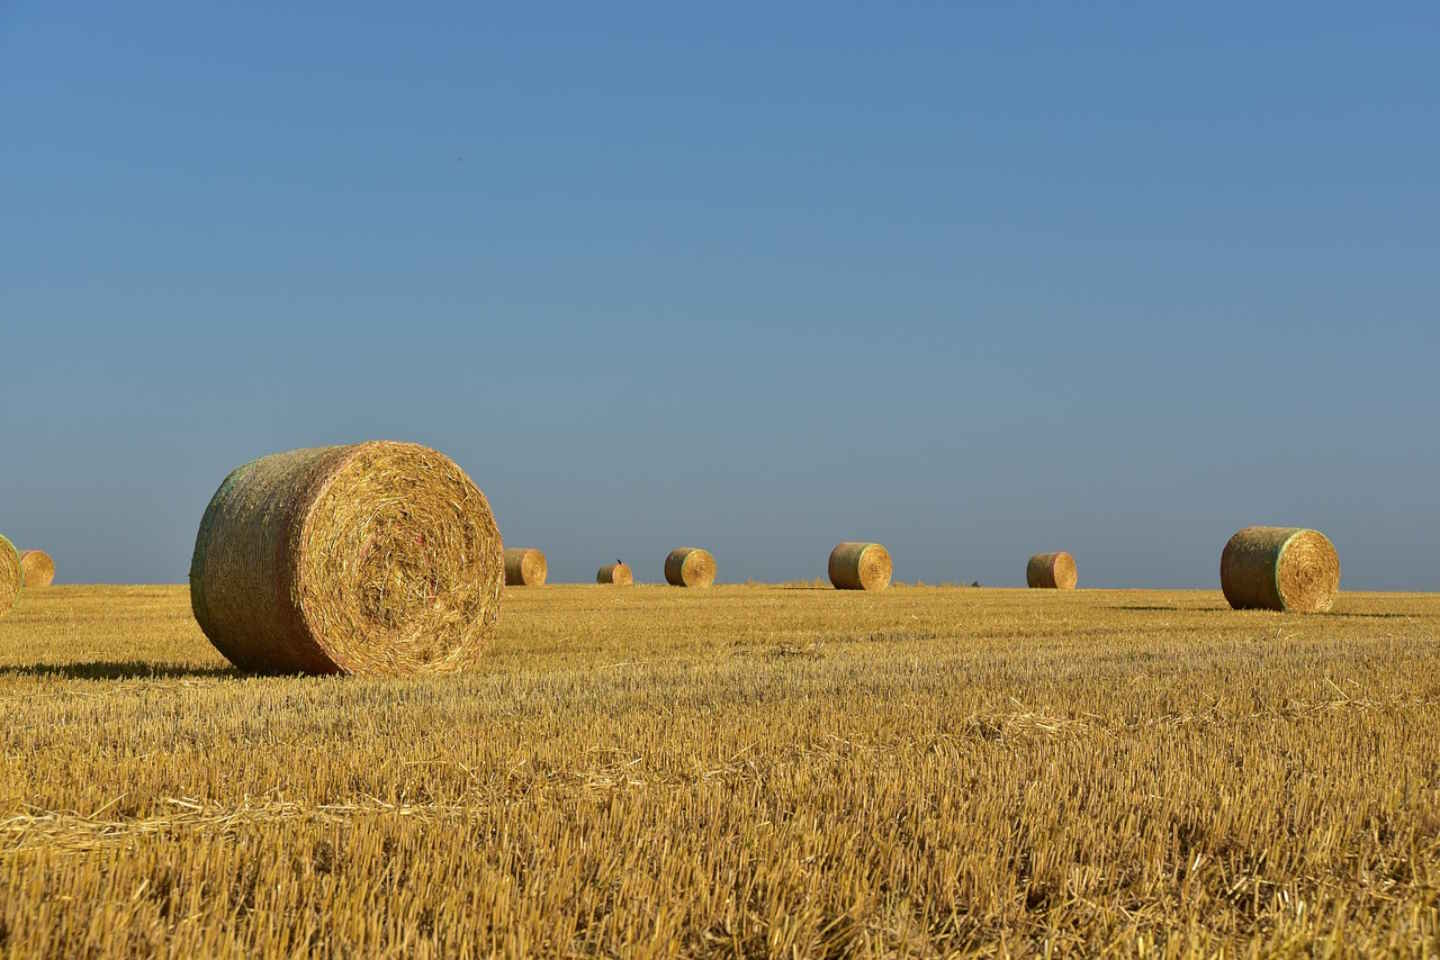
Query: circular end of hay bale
x=615, y=574
x=374, y=558
x=856, y=565
x=11, y=579
x=1280, y=568
x=37, y=568
x=525, y=567
x=690, y=567
x=1051, y=571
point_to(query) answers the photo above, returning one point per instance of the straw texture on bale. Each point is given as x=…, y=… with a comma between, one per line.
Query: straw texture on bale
x=1053, y=571
x=375, y=558
x=1280, y=568
x=37, y=568
x=525, y=567
x=860, y=566
x=11, y=580
x=617, y=574
x=690, y=567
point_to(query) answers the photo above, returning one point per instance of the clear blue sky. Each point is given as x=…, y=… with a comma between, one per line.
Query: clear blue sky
x=974, y=281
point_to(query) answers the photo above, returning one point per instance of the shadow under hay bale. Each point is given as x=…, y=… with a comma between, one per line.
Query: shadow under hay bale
x=1051, y=571
x=615, y=574
x=1280, y=568
x=525, y=567
x=376, y=558
x=690, y=567
x=857, y=565
x=37, y=568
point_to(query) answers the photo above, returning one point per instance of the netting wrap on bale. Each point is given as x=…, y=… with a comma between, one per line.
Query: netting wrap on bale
x=615, y=574
x=375, y=558
x=37, y=568
x=525, y=567
x=860, y=566
x=11, y=578
x=1280, y=568
x=1053, y=571
x=690, y=567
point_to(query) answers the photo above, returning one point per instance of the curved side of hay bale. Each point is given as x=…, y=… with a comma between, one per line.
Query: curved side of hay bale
x=11, y=579
x=1280, y=568
x=1051, y=571
x=856, y=565
x=525, y=567
x=374, y=558
x=37, y=568
x=615, y=574
x=690, y=567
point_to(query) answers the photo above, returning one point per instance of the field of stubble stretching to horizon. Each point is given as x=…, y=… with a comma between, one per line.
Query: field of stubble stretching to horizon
x=744, y=771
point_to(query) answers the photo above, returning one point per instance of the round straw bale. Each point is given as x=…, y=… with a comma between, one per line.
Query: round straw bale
x=525, y=567
x=617, y=573
x=690, y=567
x=1055, y=571
x=37, y=567
x=11, y=579
x=1280, y=568
x=374, y=558
x=860, y=566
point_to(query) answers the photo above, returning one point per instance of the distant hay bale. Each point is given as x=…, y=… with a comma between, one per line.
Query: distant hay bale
x=1280, y=568
x=615, y=574
x=525, y=567
x=1053, y=571
x=37, y=568
x=374, y=558
x=860, y=566
x=11, y=579
x=690, y=567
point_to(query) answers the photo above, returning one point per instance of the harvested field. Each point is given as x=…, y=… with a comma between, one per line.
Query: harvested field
x=742, y=770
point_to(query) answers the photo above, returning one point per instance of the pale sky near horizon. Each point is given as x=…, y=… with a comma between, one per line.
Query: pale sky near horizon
x=975, y=281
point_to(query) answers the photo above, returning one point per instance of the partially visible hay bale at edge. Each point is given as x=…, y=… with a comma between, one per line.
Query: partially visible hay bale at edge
x=615, y=574
x=525, y=567
x=690, y=567
x=375, y=558
x=1052, y=571
x=37, y=568
x=11, y=579
x=856, y=565
x=1280, y=568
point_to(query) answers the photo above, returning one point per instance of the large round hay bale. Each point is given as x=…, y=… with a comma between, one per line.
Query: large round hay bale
x=617, y=574
x=525, y=567
x=1053, y=571
x=690, y=567
x=374, y=558
x=37, y=568
x=1280, y=568
x=860, y=566
x=11, y=579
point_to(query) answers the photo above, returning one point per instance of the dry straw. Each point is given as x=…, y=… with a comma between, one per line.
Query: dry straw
x=617, y=574
x=525, y=567
x=690, y=567
x=11, y=580
x=1054, y=571
x=1280, y=568
x=860, y=566
x=375, y=558
x=37, y=568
